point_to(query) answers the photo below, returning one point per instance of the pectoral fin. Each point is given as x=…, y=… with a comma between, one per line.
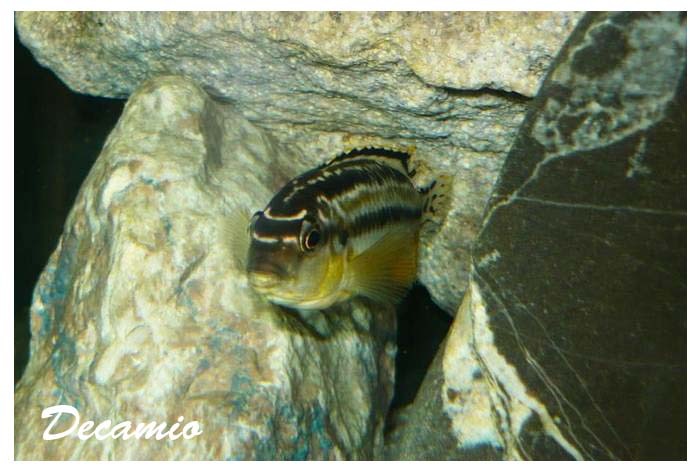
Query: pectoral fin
x=386, y=270
x=234, y=229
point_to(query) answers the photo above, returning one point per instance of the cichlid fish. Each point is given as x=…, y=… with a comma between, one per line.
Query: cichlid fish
x=347, y=228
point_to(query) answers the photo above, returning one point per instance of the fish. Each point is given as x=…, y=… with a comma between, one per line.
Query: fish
x=347, y=228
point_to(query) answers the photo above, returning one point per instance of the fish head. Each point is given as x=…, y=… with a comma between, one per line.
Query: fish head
x=292, y=261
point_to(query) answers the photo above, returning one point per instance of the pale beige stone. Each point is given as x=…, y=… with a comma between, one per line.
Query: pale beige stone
x=143, y=313
x=454, y=85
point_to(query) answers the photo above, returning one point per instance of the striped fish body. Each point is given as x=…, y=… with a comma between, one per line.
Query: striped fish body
x=347, y=228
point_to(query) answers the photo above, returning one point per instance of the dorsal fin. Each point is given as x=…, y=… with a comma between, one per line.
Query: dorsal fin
x=396, y=158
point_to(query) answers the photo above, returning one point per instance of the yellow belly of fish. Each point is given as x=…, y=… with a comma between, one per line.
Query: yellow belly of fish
x=331, y=290
x=383, y=272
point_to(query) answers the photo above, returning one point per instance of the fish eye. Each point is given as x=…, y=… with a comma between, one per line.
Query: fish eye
x=310, y=236
x=312, y=239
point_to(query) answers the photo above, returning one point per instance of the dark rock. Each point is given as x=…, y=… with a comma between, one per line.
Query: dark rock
x=587, y=296
x=422, y=431
x=571, y=339
x=607, y=38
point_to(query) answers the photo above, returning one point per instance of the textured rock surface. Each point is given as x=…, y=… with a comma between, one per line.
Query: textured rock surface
x=466, y=50
x=453, y=85
x=571, y=340
x=143, y=315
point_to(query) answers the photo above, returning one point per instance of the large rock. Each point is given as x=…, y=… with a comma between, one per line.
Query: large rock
x=571, y=339
x=143, y=312
x=506, y=51
x=452, y=85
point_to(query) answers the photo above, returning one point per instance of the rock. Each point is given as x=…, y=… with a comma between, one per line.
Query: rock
x=423, y=430
x=143, y=313
x=571, y=339
x=507, y=51
x=452, y=85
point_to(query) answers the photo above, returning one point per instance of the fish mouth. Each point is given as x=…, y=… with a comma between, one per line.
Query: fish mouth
x=264, y=265
x=263, y=279
x=265, y=274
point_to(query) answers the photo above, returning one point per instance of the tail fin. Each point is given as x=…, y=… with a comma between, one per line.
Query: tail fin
x=436, y=204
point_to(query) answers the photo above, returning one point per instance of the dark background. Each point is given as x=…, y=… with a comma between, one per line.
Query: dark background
x=58, y=135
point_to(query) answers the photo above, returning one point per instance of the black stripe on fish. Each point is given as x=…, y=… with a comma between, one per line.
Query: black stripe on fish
x=266, y=228
x=331, y=182
x=382, y=216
